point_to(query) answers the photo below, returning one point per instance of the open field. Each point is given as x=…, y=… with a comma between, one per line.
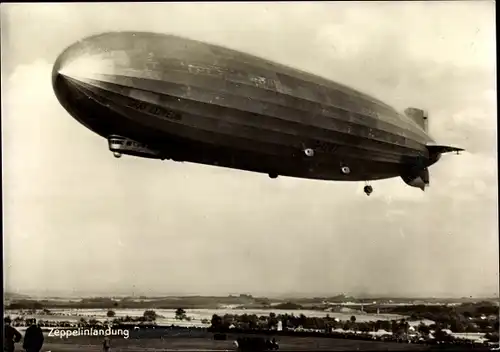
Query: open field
x=167, y=316
x=207, y=343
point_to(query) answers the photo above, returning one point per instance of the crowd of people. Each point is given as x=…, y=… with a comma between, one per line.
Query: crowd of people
x=32, y=341
x=33, y=337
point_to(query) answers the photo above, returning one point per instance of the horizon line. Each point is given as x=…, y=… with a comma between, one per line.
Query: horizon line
x=81, y=294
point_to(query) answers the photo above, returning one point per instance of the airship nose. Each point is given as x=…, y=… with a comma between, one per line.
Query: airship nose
x=87, y=60
x=64, y=90
x=70, y=76
x=65, y=78
x=80, y=75
x=60, y=84
x=63, y=83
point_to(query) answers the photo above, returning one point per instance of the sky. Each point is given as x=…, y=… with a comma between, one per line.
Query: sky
x=77, y=221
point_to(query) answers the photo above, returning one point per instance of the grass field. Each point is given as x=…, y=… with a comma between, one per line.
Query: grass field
x=207, y=343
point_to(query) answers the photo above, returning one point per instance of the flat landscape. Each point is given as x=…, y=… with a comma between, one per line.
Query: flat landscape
x=207, y=343
x=165, y=329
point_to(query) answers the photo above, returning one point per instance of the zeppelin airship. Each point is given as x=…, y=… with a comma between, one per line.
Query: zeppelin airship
x=162, y=96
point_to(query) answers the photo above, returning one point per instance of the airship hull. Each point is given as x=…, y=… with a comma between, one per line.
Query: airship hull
x=197, y=102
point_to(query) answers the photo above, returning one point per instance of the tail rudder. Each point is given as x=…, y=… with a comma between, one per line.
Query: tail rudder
x=419, y=116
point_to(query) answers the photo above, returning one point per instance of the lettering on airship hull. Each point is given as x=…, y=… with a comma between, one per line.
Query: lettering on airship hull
x=154, y=110
x=206, y=69
x=262, y=82
x=326, y=147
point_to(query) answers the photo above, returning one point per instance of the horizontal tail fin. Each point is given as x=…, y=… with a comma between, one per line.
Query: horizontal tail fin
x=440, y=149
x=435, y=151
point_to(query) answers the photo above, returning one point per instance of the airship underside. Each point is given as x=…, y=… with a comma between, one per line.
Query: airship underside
x=165, y=97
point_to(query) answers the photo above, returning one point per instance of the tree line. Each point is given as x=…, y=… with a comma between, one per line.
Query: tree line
x=290, y=321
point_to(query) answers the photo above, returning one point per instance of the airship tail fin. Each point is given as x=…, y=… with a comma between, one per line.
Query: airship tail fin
x=419, y=116
x=441, y=149
x=417, y=178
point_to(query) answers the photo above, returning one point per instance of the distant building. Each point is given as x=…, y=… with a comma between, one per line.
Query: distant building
x=280, y=325
x=380, y=332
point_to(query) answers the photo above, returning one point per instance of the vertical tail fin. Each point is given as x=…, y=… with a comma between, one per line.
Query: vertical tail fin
x=419, y=116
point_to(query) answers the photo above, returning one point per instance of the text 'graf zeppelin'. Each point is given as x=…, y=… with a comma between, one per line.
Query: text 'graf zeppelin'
x=154, y=110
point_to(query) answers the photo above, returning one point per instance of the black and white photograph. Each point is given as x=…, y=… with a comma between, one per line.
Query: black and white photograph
x=250, y=176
